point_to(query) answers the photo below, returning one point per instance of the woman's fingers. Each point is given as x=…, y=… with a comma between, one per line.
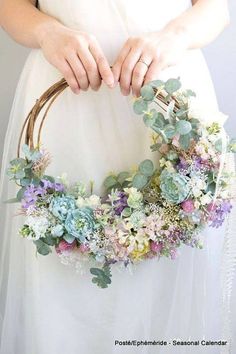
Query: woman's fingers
x=127, y=70
x=139, y=74
x=154, y=70
x=78, y=70
x=102, y=64
x=117, y=66
x=90, y=66
x=67, y=72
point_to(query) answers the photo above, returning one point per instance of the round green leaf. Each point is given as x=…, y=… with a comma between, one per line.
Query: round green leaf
x=172, y=85
x=147, y=93
x=140, y=106
x=183, y=127
x=146, y=167
x=160, y=121
x=169, y=131
x=110, y=182
x=184, y=141
x=122, y=177
x=139, y=181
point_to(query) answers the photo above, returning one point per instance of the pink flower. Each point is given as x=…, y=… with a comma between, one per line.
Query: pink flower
x=175, y=140
x=173, y=254
x=65, y=246
x=211, y=207
x=164, y=149
x=155, y=247
x=83, y=248
x=188, y=206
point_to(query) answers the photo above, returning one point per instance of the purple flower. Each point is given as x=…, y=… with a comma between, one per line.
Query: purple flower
x=47, y=184
x=58, y=187
x=218, y=213
x=31, y=195
x=121, y=203
x=182, y=165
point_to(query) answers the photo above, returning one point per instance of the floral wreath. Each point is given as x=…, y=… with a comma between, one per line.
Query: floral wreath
x=146, y=213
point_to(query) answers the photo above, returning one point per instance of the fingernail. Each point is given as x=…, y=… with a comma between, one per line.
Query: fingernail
x=111, y=84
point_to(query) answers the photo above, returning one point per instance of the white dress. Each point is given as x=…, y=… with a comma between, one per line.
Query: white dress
x=45, y=306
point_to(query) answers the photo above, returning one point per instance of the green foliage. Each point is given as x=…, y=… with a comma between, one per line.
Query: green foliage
x=146, y=168
x=172, y=85
x=42, y=247
x=183, y=127
x=184, y=141
x=147, y=93
x=20, y=194
x=110, y=182
x=139, y=181
x=140, y=106
x=156, y=83
x=169, y=131
x=102, y=276
x=31, y=154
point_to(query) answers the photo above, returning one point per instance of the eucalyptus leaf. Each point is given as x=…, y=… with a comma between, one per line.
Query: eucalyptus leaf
x=25, y=182
x=184, y=141
x=147, y=93
x=146, y=168
x=169, y=131
x=122, y=177
x=139, y=181
x=172, y=85
x=20, y=194
x=156, y=83
x=149, y=119
x=183, y=127
x=50, y=240
x=140, y=106
x=110, y=182
x=42, y=247
x=159, y=121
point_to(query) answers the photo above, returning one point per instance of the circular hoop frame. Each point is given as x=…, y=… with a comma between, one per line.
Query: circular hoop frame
x=47, y=99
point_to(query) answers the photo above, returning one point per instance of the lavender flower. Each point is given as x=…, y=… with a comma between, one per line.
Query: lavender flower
x=121, y=203
x=218, y=213
x=31, y=195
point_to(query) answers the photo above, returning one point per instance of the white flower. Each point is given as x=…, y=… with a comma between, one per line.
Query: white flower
x=93, y=201
x=38, y=225
x=206, y=199
x=205, y=114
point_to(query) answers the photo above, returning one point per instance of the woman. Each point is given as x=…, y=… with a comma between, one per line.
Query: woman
x=108, y=47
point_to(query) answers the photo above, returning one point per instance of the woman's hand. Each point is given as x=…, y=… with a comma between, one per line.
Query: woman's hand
x=143, y=58
x=78, y=56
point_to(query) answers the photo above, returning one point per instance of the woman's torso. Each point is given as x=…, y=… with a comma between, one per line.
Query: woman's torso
x=112, y=21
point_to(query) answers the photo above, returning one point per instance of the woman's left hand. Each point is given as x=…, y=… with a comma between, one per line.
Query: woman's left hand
x=143, y=58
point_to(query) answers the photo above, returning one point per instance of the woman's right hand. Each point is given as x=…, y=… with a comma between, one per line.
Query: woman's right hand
x=78, y=56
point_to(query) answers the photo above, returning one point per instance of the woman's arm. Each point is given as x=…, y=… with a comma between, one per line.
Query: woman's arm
x=203, y=22
x=25, y=24
x=194, y=28
x=77, y=55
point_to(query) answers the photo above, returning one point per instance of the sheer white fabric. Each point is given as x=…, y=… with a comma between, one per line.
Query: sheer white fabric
x=45, y=307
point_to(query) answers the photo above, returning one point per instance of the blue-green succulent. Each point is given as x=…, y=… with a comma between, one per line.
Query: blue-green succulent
x=174, y=187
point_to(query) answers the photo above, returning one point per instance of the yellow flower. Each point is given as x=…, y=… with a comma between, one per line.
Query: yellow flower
x=138, y=253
